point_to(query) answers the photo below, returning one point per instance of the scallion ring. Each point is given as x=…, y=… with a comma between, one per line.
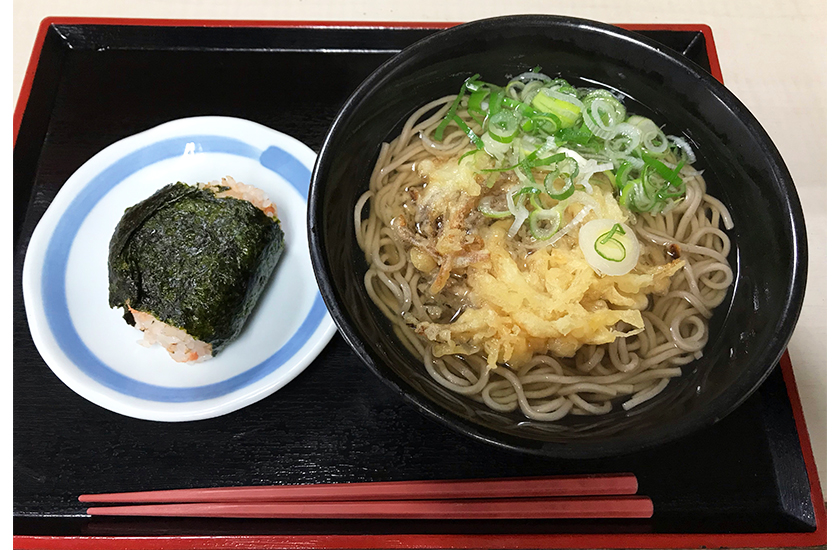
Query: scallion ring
x=564, y=190
x=606, y=95
x=565, y=172
x=544, y=223
x=485, y=206
x=609, y=246
x=622, y=174
x=503, y=126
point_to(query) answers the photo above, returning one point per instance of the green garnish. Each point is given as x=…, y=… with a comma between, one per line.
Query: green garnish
x=566, y=112
x=534, y=126
x=451, y=114
x=544, y=223
x=467, y=154
x=610, y=248
x=503, y=126
x=565, y=172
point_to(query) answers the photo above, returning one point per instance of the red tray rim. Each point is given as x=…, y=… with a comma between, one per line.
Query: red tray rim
x=613, y=540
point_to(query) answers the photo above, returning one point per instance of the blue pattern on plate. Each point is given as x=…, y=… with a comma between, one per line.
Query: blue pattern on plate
x=58, y=251
x=282, y=162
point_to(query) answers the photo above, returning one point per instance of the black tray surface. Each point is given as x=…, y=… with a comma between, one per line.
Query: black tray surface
x=96, y=84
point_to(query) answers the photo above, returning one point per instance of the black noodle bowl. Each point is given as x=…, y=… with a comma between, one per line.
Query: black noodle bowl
x=748, y=331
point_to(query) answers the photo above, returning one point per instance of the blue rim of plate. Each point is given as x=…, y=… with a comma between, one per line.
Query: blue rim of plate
x=53, y=287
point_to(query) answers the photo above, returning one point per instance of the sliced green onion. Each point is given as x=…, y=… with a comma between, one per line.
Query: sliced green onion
x=473, y=84
x=563, y=192
x=527, y=190
x=601, y=117
x=548, y=114
x=519, y=211
x=672, y=176
x=654, y=141
x=566, y=173
x=622, y=174
x=467, y=154
x=467, y=130
x=527, y=124
x=527, y=144
x=502, y=169
x=536, y=201
x=561, y=86
x=503, y=126
x=561, y=106
x=474, y=105
x=655, y=188
x=685, y=150
x=557, y=157
x=634, y=197
x=545, y=122
x=523, y=108
x=485, y=207
x=544, y=223
x=609, y=234
x=453, y=109
x=609, y=248
x=606, y=95
x=611, y=177
x=495, y=102
x=549, y=122
x=569, y=166
x=626, y=140
x=525, y=168
x=579, y=134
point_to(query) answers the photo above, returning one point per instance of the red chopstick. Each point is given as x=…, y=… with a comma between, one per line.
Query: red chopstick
x=531, y=508
x=528, y=487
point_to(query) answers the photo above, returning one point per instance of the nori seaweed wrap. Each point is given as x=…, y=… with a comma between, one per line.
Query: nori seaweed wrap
x=193, y=259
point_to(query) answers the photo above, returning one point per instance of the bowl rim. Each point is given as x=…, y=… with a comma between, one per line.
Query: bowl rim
x=723, y=404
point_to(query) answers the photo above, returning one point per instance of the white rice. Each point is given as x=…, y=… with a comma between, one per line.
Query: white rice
x=176, y=341
x=239, y=190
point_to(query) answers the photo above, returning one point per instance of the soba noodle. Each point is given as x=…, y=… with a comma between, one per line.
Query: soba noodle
x=630, y=370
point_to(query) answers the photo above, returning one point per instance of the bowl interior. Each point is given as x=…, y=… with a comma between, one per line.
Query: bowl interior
x=742, y=168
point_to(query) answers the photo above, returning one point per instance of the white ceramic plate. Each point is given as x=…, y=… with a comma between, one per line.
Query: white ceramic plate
x=65, y=275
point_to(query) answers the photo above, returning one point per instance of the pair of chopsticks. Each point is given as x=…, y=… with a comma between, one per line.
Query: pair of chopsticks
x=550, y=497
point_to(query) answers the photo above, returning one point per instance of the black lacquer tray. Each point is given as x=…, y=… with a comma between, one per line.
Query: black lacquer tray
x=750, y=480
